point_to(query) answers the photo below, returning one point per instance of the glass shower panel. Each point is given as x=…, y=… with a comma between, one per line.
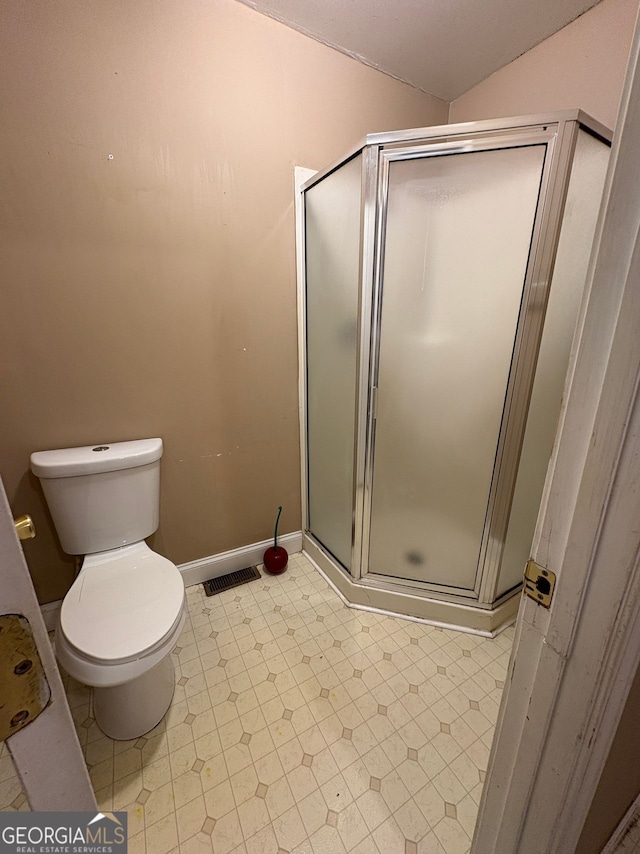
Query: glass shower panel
x=458, y=233
x=567, y=284
x=332, y=222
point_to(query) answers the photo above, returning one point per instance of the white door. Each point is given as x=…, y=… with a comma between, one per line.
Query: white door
x=46, y=751
x=572, y=665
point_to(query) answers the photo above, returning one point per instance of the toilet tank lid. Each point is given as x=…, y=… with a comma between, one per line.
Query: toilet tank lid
x=92, y=459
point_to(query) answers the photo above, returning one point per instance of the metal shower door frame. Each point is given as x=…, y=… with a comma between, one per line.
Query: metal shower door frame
x=559, y=133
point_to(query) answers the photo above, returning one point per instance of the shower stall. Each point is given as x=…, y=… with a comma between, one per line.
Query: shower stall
x=441, y=276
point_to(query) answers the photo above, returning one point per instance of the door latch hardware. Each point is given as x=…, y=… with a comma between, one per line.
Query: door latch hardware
x=539, y=583
x=24, y=690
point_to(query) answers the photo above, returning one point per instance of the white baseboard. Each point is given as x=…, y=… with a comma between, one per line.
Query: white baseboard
x=620, y=832
x=50, y=614
x=197, y=571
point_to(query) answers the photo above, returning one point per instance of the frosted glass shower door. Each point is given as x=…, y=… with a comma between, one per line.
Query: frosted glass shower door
x=458, y=232
x=332, y=250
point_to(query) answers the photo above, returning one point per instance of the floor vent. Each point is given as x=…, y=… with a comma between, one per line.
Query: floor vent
x=233, y=579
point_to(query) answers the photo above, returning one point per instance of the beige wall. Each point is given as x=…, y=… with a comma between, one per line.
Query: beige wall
x=154, y=294
x=582, y=65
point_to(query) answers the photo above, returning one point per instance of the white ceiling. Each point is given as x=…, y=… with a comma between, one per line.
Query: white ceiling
x=440, y=46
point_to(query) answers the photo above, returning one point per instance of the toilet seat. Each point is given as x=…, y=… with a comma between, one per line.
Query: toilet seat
x=114, y=662
x=113, y=673
x=124, y=605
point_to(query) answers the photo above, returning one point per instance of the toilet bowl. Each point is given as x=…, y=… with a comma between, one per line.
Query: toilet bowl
x=118, y=624
x=124, y=612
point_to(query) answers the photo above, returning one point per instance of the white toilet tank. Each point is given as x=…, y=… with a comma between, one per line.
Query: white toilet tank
x=102, y=496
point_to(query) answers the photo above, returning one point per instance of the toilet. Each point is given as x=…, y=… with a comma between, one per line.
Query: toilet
x=124, y=612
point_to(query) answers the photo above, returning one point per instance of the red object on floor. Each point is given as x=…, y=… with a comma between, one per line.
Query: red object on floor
x=275, y=560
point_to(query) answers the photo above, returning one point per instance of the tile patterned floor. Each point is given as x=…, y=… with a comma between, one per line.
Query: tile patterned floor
x=301, y=725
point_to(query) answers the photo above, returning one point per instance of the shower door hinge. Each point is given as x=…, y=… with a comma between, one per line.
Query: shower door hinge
x=24, y=690
x=539, y=583
x=374, y=402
